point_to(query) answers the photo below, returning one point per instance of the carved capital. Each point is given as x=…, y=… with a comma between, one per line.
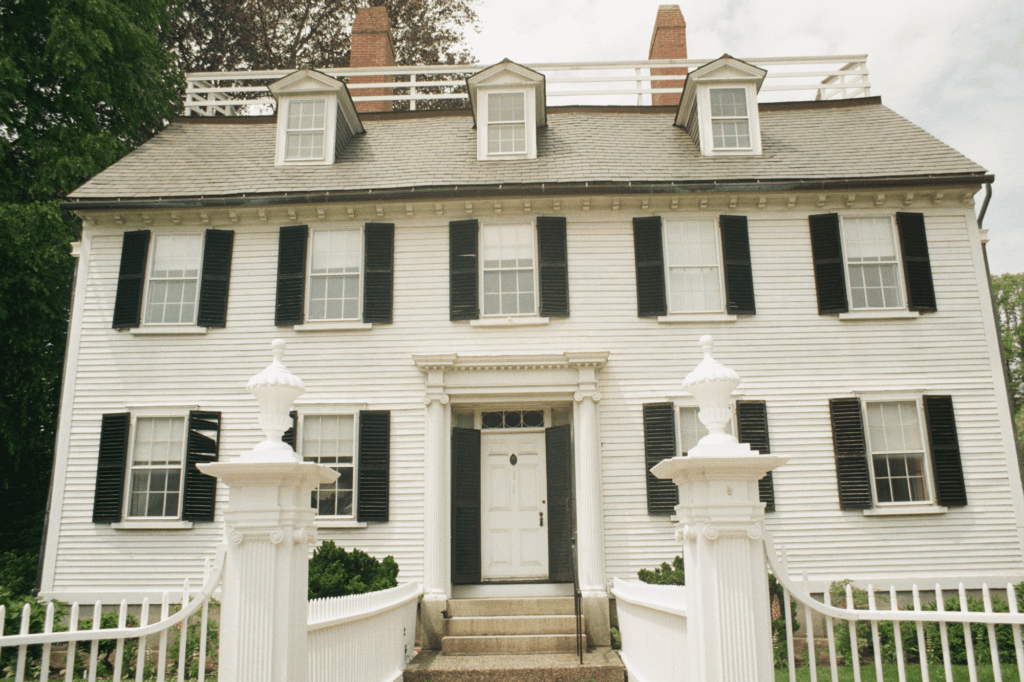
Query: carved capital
x=580, y=396
x=305, y=535
x=272, y=535
x=439, y=397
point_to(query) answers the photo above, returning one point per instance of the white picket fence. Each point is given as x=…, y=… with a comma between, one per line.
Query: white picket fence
x=652, y=622
x=363, y=637
x=190, y=605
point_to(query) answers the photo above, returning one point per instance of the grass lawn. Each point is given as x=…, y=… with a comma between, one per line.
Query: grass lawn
x=889, y=672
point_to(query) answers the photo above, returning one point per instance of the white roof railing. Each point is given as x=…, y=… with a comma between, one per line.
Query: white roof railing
x=238, y=93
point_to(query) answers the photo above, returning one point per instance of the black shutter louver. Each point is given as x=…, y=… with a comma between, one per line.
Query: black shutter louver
x=291, y=275
x=200, y=490
x=851, y=454
x=739, y=276
x=558, y=443
x=659, y=444
x=463, y=282
x=829, y=268
x=379, y=272
x=554, y=267
x=650, y=267
x=752, y=428
x=108, y=500
x=945, y=447
x=373, y=489
x=131, y=279
x=288, y=437
x=213, y=290
x=917, y=266
x=465, y=552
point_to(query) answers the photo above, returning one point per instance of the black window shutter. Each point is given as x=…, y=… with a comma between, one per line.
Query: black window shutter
x=917, y=266
x=374, y=465
x=554, y=267
x=659, y=444
x=465, y=506
x=829, y=268
x=851, y=454
x=288, y=437
x=945, y=447
x=379, y=272
x=213, y=290
x=200, y=491
x=291, y=275
x=108, y=500
x=650, y=267
x=739, y=276
x=130, y=279
x=752, y=428
x=463, y=282
x=558, y=443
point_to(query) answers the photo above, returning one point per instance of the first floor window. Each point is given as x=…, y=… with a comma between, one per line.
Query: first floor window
x=871, y=259
x=330, y=440
x=174, y=279
x=334, y=274
x=157, y=455
x=509, y=273
x=897, y=456
x=693, y=265
x=304, y=138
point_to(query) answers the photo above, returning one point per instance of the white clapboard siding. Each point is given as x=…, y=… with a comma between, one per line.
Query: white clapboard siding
x=787, y=355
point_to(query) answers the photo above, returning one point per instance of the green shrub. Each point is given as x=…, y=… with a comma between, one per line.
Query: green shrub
x=333, y=572
x=665, y=574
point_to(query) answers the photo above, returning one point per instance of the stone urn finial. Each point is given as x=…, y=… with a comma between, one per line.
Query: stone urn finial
x=276, y=389
x=712, y=384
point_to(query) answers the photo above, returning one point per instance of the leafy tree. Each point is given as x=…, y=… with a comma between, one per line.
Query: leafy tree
x=1009, y=295
x=333, y=572
x=665, y=574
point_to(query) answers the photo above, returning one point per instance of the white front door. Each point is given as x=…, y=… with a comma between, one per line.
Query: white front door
x=513, y=506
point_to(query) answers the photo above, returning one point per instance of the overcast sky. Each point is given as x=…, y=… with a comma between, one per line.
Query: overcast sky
x=954, y=68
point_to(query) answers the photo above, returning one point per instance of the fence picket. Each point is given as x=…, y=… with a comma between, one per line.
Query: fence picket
x=44, y=659
x=789, y=635
x=876, y=646
x=69, y=669
x=897, y=635
x=161, y=658
x=993, y=645
x=830, y=629
x=812, y=655
x=854, y=640
x=26, y=617
x=972, y=666
x=184, y=636
x=94, y=648
x=1018, y=647
x=947, y=664
x=140, y=660
x=122, y=621
x=922, y=648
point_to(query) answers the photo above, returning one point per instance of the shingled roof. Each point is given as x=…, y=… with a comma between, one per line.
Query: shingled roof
x=809, y=142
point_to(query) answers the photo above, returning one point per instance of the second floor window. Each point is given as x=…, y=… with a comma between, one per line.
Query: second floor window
x=730, y=122
x=506, y=123
x=693, y=267
x=174, y=279
x=304, y=138
x=334, y=274
x=509, y=274
x=872, y=262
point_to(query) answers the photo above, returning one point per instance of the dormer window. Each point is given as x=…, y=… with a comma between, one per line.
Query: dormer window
x=508, y=107
x=719, y=108
x=315, y=118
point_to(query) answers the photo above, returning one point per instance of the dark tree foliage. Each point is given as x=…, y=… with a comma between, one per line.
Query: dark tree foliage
x=1009, y=295
x=333, y=572
x=228, y=35
x=82, y=82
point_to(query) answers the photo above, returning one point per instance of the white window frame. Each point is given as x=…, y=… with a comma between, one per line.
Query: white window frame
x=153, y=413
x=707, y=138
x=535, y=315
x=744, y=118
x=341, y=321
x=150, y=261
x=484, y=125
x=929, y=481
x=898, y=258
x=330, y=128
x=329, y=410
x=668, y=267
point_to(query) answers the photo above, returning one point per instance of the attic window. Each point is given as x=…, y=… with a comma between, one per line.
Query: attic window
x=506, y=123
x=306, y=126
x=730, y=123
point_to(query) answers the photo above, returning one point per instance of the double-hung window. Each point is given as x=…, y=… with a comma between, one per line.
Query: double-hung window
x=506, y=123
x=509, y=271
x=693, y=266
x=334, y=281
x=896, y=445
x=329, y=439
x=730, y=121
x=173, y=287
x=158, y=452
x=872, y=262
x=304, y=137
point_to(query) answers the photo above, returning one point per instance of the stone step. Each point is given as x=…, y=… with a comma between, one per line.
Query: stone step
x=600, y=665
x=535, y=606
x=479, y=645
x=511, y=625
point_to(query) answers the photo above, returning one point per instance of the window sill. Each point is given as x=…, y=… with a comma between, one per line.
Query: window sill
x=675, y=318
x=333, y=326
x=327, y=522
x=167, y=329
x=880, y=315
x=153, y=524
x=509, y=321
x=905, y=511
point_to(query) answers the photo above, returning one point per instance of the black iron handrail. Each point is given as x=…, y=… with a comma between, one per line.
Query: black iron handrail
x=577, y=598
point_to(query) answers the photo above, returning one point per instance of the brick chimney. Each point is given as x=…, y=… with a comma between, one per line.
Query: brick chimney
x=668, y=42
x=372, y=47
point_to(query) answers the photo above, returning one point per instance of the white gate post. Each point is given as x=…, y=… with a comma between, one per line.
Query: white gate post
x=269, y=528
x=720, y=527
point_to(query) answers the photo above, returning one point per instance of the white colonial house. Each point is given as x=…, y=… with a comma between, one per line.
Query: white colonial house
x=493, y=309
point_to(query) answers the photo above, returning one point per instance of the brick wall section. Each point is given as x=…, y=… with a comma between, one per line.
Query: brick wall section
x=372, y=46
x=668, y=42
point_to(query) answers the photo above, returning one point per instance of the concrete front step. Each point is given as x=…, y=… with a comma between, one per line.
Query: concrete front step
x=600, y=665
x=511, y=625
x=480, y=645
x=534, y=606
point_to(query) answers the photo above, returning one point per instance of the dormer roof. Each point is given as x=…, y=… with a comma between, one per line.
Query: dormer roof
x=725, y=69
x=508, y=73
x=311, y=82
